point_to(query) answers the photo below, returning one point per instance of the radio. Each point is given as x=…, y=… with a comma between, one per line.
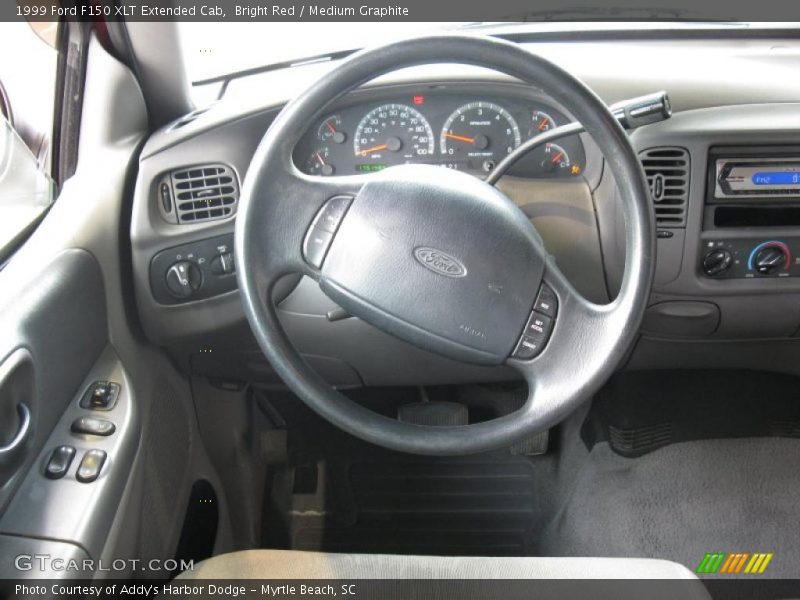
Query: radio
x=757, y=178
x=755, y=174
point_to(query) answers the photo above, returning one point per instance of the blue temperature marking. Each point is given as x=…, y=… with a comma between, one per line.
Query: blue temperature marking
x=776, y=178
x=770, y=243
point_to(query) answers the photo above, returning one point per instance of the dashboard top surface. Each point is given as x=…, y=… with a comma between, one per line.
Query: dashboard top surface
x=696, y=73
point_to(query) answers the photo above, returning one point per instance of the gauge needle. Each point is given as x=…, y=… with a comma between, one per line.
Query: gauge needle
x=460, y=138
x=373, y=149
x=329, y=126
x=556, y=158
x=543, y=124
x=319, y=158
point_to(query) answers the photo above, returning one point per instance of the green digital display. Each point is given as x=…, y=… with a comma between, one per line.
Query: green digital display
x=370, y=167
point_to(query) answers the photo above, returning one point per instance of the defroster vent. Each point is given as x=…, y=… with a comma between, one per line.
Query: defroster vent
x=199, y=193
x=667, y=171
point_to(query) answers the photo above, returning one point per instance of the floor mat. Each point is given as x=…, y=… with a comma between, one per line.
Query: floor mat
x=341, y=494
x=442, y=508
x=685, y=500
x=638, y=412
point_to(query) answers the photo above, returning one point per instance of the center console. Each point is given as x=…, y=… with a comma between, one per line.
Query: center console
x=749, y=189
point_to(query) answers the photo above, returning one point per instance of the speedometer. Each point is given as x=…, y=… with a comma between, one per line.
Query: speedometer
x=392, y=134
x=478, y=135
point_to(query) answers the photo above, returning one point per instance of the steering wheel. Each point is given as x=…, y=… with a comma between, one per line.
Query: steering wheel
x=439, y=258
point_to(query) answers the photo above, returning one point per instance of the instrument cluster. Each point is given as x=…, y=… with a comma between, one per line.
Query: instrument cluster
x=453, y=130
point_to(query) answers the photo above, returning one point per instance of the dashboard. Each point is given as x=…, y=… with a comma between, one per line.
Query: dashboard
x=723, y=174
x=469, y=132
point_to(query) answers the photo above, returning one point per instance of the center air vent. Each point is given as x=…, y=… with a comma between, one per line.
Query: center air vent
x=200, y=193
x=667, y=171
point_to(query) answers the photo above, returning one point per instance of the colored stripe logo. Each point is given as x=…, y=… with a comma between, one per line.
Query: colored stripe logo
x=734, y=563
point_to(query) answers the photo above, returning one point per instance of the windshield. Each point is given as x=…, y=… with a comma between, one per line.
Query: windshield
x=215, y=49
x=212, y=49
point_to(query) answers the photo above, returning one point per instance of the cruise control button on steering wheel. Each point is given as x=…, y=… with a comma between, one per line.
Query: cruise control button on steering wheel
x=323, y=228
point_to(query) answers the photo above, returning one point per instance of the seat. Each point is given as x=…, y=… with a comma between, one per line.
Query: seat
x=622, y=577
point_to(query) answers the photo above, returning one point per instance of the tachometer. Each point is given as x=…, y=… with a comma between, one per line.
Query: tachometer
x=392, y=134
x=478, y=135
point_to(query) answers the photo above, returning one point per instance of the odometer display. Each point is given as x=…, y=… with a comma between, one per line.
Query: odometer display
x=370, y=167
x=393, y=134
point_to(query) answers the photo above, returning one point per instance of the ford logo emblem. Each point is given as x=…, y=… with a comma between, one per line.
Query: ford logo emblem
x=439, y=262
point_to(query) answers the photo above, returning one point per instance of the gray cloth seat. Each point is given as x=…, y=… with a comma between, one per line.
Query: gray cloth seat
x=288, y=564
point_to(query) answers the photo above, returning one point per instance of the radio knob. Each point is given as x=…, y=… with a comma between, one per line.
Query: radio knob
x=717, y=262
x=769, y=259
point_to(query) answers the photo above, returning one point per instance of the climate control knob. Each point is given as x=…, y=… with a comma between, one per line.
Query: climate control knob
x=770, y=258
x=183, y=279
x=717, y=262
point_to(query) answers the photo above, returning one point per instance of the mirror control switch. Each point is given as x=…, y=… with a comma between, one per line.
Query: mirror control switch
x=101, y=395
x=59, y=462
x=91, y=465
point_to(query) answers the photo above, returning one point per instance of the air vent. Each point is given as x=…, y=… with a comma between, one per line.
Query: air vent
x=667, y=171
x=203, y=193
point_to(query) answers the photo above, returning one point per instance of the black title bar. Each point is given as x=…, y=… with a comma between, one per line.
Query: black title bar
x=402, y=10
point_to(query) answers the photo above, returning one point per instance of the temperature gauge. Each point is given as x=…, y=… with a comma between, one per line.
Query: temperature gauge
x=553, y=160
x=331, y=130
x=318, y=163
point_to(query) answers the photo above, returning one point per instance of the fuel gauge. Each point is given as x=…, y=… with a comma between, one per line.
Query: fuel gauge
x=319, y=164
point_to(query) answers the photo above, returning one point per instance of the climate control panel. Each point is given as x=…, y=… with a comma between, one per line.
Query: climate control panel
x=743, y=259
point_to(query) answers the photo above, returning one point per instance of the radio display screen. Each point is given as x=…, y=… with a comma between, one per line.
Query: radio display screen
x=766, y=177
x=776, y=178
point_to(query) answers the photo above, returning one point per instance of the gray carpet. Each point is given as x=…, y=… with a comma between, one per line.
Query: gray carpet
x=684, y=500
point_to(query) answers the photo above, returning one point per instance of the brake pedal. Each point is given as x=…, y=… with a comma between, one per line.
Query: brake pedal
x=536, y=445
x=434, y=413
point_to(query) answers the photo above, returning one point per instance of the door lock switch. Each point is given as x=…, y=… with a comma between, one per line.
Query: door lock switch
x=91, y=465
x=59, y=462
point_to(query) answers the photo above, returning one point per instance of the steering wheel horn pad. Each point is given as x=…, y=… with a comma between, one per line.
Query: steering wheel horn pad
x=439, y=258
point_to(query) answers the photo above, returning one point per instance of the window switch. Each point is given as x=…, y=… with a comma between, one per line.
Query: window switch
x=59, y=462
x=91, y=464
x=101, y=395
x=93, y=426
